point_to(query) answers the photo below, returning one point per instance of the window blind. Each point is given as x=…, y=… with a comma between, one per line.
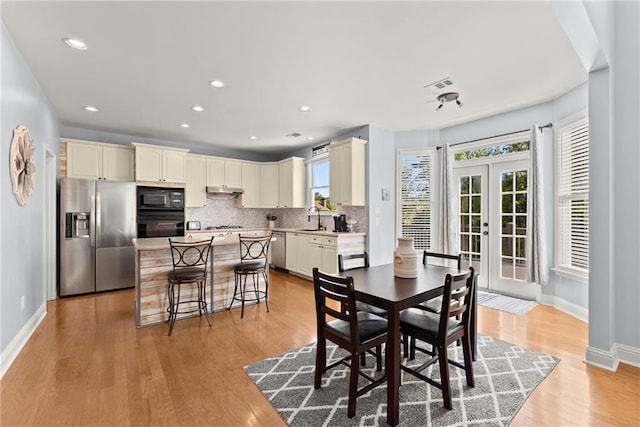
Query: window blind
x=573, y=196
x=416, y=197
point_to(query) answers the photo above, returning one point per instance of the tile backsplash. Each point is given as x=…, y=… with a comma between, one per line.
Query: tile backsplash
x=225, y=212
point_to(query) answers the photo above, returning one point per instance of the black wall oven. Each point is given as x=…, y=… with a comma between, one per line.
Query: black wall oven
x=160, y=211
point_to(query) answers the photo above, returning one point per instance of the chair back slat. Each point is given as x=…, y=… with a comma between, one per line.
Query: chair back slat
x=457, y=258
x=350, y=262
x=335, y=291
x=459, y=289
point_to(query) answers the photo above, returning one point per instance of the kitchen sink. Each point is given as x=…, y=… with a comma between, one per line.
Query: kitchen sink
x=309, y=229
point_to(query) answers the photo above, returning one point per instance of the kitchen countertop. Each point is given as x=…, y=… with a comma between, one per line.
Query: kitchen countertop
x=153, y=243
x=327, y=233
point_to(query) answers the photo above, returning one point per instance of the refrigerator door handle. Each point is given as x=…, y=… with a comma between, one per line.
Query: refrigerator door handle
x=97, y=217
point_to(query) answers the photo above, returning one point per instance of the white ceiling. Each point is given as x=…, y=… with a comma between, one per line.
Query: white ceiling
x=353, y=63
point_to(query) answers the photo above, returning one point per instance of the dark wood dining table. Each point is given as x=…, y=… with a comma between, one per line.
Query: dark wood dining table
x=379, y=287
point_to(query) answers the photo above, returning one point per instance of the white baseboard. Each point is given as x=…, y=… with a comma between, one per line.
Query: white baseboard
x=610, y=360
x=20, y=340
x=602, y=359
x=566, y=307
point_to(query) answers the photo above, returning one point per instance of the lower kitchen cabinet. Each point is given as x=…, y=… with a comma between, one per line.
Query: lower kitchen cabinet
x=297, y=253
x=323, y=253
x=307, y=250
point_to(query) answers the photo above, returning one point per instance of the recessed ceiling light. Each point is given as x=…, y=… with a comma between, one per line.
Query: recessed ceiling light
x=184, y=125
x=74, y=43
x=197, y=108
x=253, y=137
x=304, y=108
x=216, y=83
x=90, y=108
x=309, y=138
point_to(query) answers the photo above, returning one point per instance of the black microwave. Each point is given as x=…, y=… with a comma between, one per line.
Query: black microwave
x=158, y=198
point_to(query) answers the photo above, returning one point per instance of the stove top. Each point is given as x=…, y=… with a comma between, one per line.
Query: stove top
x=224, y=227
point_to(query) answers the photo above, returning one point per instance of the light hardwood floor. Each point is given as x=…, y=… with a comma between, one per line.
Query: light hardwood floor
x=87, y=364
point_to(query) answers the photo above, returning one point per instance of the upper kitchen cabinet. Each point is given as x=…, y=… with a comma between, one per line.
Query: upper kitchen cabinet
x=160, y=164
x=347, y=172
x=251, y=197
x=195, y=192
x=292, y=183
x=269, y=184
x=93, y=160
x=224, y=172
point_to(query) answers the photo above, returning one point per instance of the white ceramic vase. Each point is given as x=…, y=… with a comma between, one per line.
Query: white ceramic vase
x=272, y=224
x=405, y=259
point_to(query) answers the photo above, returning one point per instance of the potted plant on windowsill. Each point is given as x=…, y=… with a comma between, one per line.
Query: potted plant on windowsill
x=272, y=220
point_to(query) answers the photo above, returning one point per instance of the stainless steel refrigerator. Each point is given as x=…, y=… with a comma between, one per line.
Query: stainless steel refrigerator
x=97, y=223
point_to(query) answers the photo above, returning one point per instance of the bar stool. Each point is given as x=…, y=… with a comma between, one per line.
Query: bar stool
x=254, y=258
x=190, y=262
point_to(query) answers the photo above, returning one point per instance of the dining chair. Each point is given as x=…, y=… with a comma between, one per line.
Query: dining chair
x=440, y=330
x=435, y=305
x=254, y=262
x=342, y=266
x=355, y=331
x=190, y=262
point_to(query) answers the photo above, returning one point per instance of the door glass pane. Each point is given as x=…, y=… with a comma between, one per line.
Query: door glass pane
x=507, y=182
x=507, y=203
x=470, y=188
x=514, y=225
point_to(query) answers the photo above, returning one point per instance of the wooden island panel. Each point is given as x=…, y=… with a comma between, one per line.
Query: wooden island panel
x=152, y=264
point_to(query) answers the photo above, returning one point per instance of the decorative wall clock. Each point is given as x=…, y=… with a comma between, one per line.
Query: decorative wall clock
x=22, y=168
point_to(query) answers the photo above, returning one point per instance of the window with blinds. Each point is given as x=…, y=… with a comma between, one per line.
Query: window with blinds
x=572, y=196
x=416, y=171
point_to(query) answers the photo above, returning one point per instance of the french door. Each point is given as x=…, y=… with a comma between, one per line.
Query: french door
x=492, y=213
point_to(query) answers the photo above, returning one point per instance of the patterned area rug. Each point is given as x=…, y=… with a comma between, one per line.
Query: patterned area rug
x=505, y=376
x=505, y=303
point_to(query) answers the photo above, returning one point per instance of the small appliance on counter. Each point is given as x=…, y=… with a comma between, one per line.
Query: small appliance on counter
x=340, y=223
x=193, y=225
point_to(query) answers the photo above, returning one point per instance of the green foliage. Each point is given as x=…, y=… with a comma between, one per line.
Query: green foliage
x=496, y=150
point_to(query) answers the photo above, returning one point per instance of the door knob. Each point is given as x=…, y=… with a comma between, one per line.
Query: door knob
x=485, y=224
x=485, y=233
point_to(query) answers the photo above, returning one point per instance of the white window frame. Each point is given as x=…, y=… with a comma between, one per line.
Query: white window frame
x=310, y=187
x=561, y=266
x=433, y=223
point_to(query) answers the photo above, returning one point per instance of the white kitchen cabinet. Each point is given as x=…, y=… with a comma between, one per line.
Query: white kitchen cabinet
x=292, y=183
x=251, y=198
x=323, y=253
x=269, y=173
x=92, y=160
x=297, y=253
x=160, y=164
x=347, y=172
x=195, y=193
x=224, y=172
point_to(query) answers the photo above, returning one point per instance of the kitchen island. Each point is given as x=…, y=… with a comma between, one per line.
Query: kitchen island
x=153, y=262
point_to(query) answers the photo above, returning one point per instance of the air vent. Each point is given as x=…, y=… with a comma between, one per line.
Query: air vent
x=440, y=84
x=294, y=135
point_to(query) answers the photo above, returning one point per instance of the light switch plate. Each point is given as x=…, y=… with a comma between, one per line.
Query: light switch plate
x=386, y=194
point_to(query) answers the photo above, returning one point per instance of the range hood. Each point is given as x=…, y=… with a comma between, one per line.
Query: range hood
x=229, y=191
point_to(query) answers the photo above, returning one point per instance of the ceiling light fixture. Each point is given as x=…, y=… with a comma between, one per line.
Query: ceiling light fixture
x=216, y=83
x=197, y=109
x=74, y=43
x=184, y=125
x=253, y=137
x=304, y=108
x=309, y=138
x=448, y=97
x=90, y=108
